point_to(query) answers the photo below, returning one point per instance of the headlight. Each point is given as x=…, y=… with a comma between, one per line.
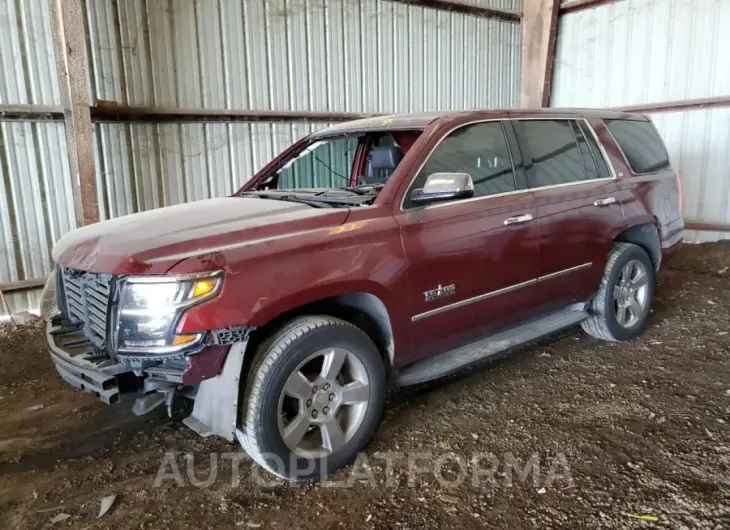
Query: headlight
x=150, y=306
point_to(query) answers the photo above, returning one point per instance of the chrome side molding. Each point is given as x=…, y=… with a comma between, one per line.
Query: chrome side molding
x=504, y=290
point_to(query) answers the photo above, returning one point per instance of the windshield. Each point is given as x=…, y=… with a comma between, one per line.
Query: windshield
x=323, y=164
x=345, y=170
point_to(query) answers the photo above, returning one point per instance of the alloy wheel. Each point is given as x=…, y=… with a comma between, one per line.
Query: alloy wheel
x=630, y=294
x=323, y=403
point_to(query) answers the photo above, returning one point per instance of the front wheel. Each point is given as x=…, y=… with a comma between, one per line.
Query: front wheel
x=314, y=397
x=621, y=306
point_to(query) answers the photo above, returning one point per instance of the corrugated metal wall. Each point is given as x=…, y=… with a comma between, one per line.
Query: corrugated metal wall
x=367, y=56
x=28, y=65
x=144, y=166
x=651, y=51
x=370, y=56
x=36, y=199
x=304, y=55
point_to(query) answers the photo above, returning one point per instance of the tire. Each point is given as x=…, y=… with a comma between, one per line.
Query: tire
x=275, y=364
x=603, y=323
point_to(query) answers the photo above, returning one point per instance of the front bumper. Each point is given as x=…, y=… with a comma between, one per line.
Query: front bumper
x=213, y=373
x=110, y=379
x=76, y=365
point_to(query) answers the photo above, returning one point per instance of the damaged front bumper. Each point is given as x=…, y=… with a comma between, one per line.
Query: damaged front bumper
x=80, y=367
x=211, y=377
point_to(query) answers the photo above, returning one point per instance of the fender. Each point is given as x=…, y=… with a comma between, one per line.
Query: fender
x=267, y=280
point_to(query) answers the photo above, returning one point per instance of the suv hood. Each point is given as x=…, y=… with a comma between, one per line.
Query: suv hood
x=154, y=241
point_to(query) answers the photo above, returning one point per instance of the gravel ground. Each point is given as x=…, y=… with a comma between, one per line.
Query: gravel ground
x=570, y=432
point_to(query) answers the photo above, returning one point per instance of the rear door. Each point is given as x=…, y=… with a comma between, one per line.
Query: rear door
x=579, y=214
x=471, y=263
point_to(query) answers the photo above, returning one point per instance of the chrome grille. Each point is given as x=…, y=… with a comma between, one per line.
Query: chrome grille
x=87, y=297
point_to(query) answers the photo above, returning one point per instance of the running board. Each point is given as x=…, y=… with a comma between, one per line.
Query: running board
x=452, y=361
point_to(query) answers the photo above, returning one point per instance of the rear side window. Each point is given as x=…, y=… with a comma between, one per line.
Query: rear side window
x=551, y=152
x=640, y=142
x=479, y=150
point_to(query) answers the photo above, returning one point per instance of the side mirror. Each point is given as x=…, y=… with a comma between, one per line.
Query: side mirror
x=444, y=187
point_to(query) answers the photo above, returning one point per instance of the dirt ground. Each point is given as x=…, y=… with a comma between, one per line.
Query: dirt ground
x=622, y=433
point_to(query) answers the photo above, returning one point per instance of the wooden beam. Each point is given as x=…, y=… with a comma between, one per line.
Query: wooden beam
x=31, y=113
x=466, y=8
x=680, y=105
x=70, y=48
x=580, y=5
x=112, y=113
x=707, y=227
x=539, y=34
x=23, y=285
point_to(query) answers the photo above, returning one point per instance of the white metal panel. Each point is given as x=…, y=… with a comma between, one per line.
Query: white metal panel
x=27, y=61
x=698, y=142
x=304, y=55
x=642, y=51
x=638, y=52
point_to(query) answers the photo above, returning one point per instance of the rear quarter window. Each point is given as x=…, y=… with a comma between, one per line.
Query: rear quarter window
x=641, y=143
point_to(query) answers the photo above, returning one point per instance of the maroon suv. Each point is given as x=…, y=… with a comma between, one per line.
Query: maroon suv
x=377, y=253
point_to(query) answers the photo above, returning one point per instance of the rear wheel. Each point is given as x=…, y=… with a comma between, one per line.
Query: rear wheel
x=621, y=306
x=314, y=397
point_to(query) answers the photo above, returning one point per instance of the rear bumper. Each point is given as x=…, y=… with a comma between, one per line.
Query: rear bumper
x=75, y=366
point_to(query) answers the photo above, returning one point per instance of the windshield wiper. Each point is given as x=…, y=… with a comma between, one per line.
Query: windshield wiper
x=290, y=198
x=365, y=189
x=317, y=200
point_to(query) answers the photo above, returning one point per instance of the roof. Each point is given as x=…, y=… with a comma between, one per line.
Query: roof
x=421, y=120
x=417, y=120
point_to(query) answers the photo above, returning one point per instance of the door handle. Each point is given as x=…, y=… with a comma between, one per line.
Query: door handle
x=524, y=218
x=605, y=202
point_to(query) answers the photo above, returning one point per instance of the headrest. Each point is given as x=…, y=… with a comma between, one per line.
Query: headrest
x=386, y=157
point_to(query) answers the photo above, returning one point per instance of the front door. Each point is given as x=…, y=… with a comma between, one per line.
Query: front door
x=575, y=196
x=472, y=263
